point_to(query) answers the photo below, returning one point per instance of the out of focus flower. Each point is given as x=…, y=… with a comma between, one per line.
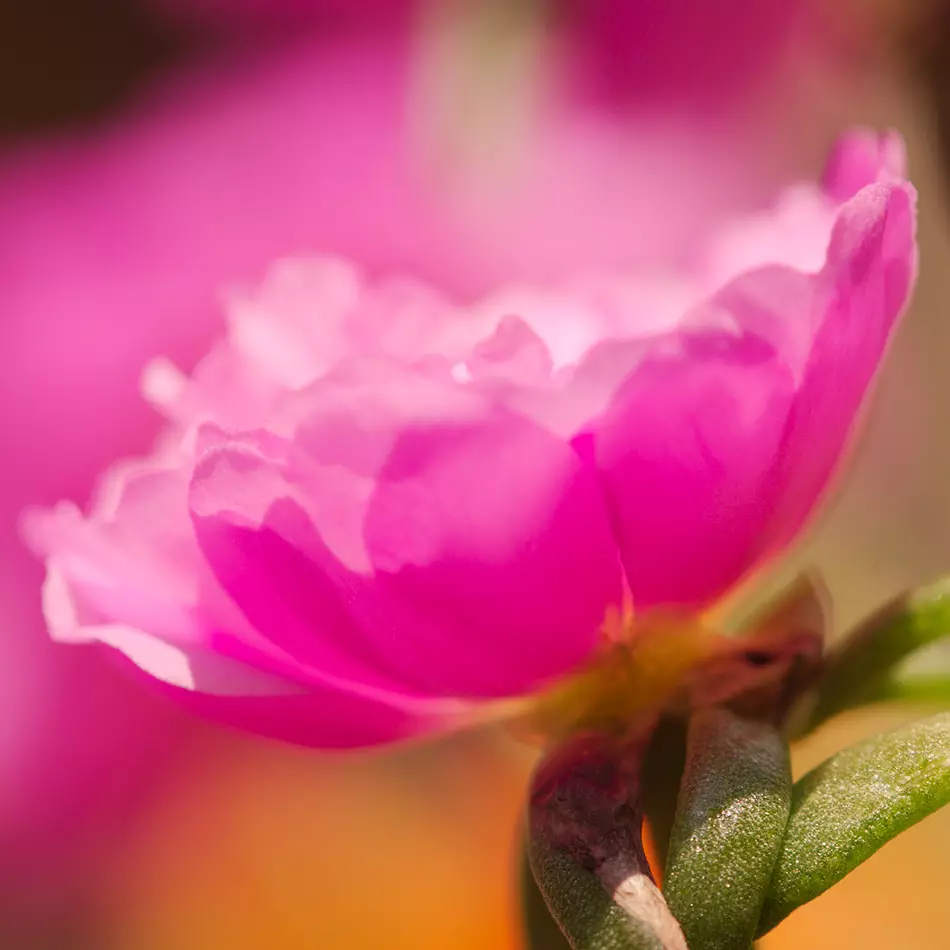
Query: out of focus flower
x=373, y=510
x=706, y=52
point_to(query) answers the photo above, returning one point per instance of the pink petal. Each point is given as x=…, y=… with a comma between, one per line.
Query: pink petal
x=861, y=158
x=322, y=719
x=715, y=451
x=513, y=351
x=464, y=556
x=684, y=449
x=327, y=713
x=496, y=538
x=263, y=549
x=131, y=560
x=871, y=268
x=131, y=577
x=294, y=327
x=324, y=715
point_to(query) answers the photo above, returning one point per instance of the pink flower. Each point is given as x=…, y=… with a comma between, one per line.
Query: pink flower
x=721, y=48
x=372, y=509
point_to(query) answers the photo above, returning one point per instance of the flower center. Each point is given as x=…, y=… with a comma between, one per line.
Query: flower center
x=645, y=665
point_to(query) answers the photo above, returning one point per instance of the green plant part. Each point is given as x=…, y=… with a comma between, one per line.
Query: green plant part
x=732, y=810
x=852, y=804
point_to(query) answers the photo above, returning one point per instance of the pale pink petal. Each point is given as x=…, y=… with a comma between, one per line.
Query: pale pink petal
x=138, y=565
x=295, y=326
x=513, y=351
x=795, y=233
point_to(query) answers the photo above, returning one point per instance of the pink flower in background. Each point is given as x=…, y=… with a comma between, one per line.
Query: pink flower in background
x=372, y=508
x=702, y=52
x=722, y=49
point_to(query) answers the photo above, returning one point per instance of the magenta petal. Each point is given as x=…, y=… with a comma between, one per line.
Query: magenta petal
x=323, y=719
x=861, y=158
x=277, y=569
x=137, y=585
x=324, y=714
x=495, y=539
x=716, y=448
x=684, y=449
x=871, y=268
x=476, y=561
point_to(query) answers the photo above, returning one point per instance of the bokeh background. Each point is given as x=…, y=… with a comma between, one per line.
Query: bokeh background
x=154, y=152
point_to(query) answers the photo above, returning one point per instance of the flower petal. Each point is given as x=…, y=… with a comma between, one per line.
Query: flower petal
x=871, y=268
x=861, y=158
x=712, y=460
x=684, y=449
x=465, y=556
x=496, y=539
x=227, y=680
x=131, y=577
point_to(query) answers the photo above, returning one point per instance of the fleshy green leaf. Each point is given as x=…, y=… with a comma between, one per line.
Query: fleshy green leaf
x=854, y=803
x=861, y=669
x=923, y=677
x=584, y=910
x=732, y=809
x=541, y=931
x=917, y=688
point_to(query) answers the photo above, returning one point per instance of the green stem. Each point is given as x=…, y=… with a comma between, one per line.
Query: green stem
x=586, y=851
x=858, y=671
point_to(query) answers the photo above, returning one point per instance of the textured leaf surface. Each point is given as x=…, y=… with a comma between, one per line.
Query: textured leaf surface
x=583, y=908
x=852, y=804
x=732, y=810
x=541, y=930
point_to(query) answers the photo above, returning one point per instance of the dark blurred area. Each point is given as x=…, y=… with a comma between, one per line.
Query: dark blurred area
x=64, y=63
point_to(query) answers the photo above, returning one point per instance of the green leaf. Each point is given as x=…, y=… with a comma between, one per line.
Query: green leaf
x=732, y=809
x=861, y=669
x=922, y=677
x=582, y=907
x=917, y=688
x=854, y=803
x=541, y=931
